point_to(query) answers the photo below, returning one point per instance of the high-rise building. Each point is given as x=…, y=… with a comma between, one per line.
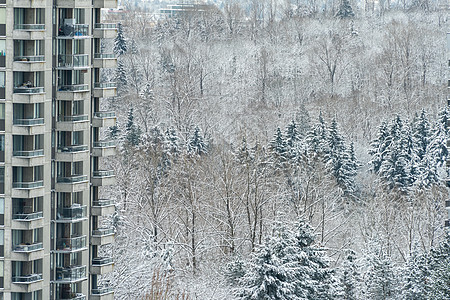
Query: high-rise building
x=51, y=152
x=447, y=202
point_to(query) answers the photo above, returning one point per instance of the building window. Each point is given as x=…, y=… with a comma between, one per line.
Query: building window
x=1, y=273
x=2, y=116
x=2, y=180
x=2, y=245
x=2, y=148
x=2, y=211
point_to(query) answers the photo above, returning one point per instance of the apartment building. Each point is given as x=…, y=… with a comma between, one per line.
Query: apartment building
x=51, y=149
x=447, y=202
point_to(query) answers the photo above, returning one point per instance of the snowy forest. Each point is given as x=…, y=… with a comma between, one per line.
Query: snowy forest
x=281, y=150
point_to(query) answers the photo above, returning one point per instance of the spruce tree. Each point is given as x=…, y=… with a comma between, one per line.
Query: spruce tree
x=278, y=146
x=416, y=276
x=439, y=267
x=317, y=138
x=379, y=147
x=121, y=76
x=196, y=143
x=120, y=44
x=345, y=10
x=350, y=277
x=133, y=133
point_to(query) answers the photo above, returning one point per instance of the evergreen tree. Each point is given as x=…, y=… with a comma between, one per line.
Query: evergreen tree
x=303, y=121
x=114, y=132
x=421, y=134
x=133, y=133
x=196, y=144
x=120, y=44
x=317, y=138
x=345, y=10
x=121, y=76
x=439, y=267
x=350, y=277
x=172, y=142
x=278, y=146
x=416, y=272
x=379, y=147
x=292, y=135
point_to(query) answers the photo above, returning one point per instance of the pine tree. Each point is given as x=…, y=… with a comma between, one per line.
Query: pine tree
x=278, y=146
x=350, y=277
x=121, y=76
x=292, y=135
x=133, y=133
x=317, y=138
x=196, y=143
x=172, y=142
x=416, y=276
x=345, y=10
x=379, y=146
x=439, y=267
x=114, y=132
x=120, y=44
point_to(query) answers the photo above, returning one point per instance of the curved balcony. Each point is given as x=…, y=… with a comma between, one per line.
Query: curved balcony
x=105, y=89
x=67, y=245
x=70, y=274
x=103, y=148
x=104, y=119
x=28, y=90
x=76, y=61
x=102, y=236
x=28, y=217
x=103, y=207
x=105, y=60
x=27, y=279
x=28, y=248
x=103, y=178
x=102, y=265
x=71, y=214
x=102, y=292
x=74, y=296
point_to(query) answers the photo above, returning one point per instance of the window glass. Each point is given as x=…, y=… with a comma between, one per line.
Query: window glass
x=2, y=111
x=1, y=268
x=2, y=207
x=2, y=47
x=2, y=142
x=2, y=15
x=2, y=79
x=2, y=237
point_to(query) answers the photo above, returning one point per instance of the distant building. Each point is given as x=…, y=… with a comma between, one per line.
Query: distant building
x=179, y=9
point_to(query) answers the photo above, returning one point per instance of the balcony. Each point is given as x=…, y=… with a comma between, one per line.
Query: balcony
x=105, y=60
x=74, y=3
x=104, y=292
x=76, y=61
x=102, y=236
x=29, y=4
x=73, y=31
x=28, y=158
x=72, y=153
x=26, y=279
x=27, y=251
x=105, y=89
x=27, y=221
x=103, y=207
x=28, y=248
x=29, y=95
x=105, y=30
x=30, y=126
x=103, y=148
x=104, y=119
x=68, y=245
x=34, y=63
x=105, y=3
x=73, y=296
x=30, y=189
x=72, y=92
x=103, y=178
x=72, y=184
x=102, y=265
x=29, y=31
x=72, y=214
x=70, y=274
x=72, y=123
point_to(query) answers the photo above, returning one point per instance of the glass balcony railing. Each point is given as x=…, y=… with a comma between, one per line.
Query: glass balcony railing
x=72, y=179
x=71, y=244
x=32, y=58
x=99, y=261
x=28, y=247
x=105, y=26
x=104, y=85
x=72, y=273
x=28, y=90
x=104, y=55
x=75, y=296
x=100, y=290
x=73, y=148
x=31, y=153
x=73, y=88
x=29, y=27
x=28, y=217
x=107, y=173
x=103, y=231
x=27, y=278
x=104, y=114
x=76, y=118
x=28, y=185
x=73, y=61
x=72, y=213
x=103, y=202
x=74, y=30
x=104, y=144
x=28, y=122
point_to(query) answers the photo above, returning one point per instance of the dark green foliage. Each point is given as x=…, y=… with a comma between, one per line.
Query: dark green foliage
x=133, y=133
x=345, y=10
x=197, y=144
x=120, y=44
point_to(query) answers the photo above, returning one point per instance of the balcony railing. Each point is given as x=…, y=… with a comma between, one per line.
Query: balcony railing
x=28, y=122
x=103, y=202
x=28, y=185
x=73, y=88
x=105, y=26
x=29, y=59
x=28, y=248
x=73, y=148
x=76, y=118
x=71, y=244
x=27, y=278
x=73, y=61
x=72, y=179
x=103, y=231
x=31, y=153
x=71, y=273
x=28, y=90
x=104, y=85
x=77, y=296
x=104, y=144
x=99, y=261
x=100, y=290
x=103, y=173
x=74, y=30
x=29, y=27
x=104, y=114
x=104, y=55
x=72, y=213
x=28, y=217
